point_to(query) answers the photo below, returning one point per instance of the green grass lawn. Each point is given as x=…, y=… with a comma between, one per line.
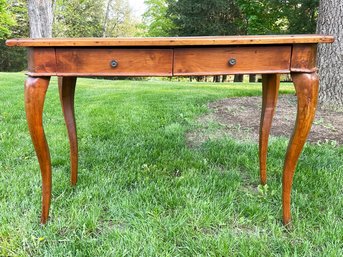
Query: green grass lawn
x=143, y=192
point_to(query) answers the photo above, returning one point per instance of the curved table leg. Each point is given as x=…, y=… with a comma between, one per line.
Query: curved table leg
x=270, y=89
x=35, y=90
x=67, y=91
x=306, y=86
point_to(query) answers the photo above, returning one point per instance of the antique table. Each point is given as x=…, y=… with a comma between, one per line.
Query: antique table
x=184, y=56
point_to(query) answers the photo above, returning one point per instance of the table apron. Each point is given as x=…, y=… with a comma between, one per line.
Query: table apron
x=178, y=61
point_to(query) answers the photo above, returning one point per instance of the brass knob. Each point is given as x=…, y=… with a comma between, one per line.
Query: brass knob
x=232, y=62
x=113, y=63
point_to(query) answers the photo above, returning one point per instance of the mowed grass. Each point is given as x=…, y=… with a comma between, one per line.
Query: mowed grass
x=143, y=192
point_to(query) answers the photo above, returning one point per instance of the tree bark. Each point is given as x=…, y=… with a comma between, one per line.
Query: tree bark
x=104, y=28
x=216, y=78
x=200, y=78
x=330, y=56
x=41, y=18
x=238, y=78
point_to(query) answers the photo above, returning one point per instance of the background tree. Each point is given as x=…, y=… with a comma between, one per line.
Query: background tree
x=74, y=18
x=205, y=18
x=6, y=19
x=156, y=21
x=330, y=58
x=12, y=58
x=261, y=17
x=301, y=15
x=119, y=19
x=18, y=10
x=279, y=16
x=88, y=18
x=40, y=17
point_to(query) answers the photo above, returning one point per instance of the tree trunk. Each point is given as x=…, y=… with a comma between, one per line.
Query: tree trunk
x=200, y=78
x=238, y=78
x=216, y=78
x=104, y=28
x=41, y=18
x=330, y=56
x=252, y=78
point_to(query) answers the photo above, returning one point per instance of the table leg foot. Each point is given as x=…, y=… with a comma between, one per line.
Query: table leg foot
x=35, y=90
x=306, y=86
x=67, y=93
x=270, y=89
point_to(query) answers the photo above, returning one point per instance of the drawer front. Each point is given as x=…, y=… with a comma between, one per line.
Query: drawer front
x=114, y=62
x=232, y=60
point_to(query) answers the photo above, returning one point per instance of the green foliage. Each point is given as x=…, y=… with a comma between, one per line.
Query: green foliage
x=75, y=18
x=279, y=16
x=301, y=15
x=6, y=20
x=18, y=9
x=205, y=18
x=143, y=192
x=88, y=18
x=230, y=17
x=261, y=17
x=119, y=20
x=156, y=21
x=14, y=58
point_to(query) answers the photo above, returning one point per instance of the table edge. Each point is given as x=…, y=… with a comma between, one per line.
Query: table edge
x=171, y=41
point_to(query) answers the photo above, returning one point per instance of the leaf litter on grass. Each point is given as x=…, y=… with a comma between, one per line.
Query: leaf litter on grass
x=239, y=118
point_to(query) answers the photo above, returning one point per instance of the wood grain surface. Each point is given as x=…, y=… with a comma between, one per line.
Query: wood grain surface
x=173, y=41
x=304, y=58
x=131, y=62
x=215, y=61
x=41, y=60
x=35, y=91
x=306, y=86
x=66, y=86
x=270, y=91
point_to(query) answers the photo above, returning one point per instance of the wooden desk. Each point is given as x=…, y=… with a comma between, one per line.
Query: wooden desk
x=189, y=56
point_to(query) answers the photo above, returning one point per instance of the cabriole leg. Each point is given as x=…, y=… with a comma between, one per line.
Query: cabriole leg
x=35, y=90
x=67, y=92
x=306, y=86
x=270, y=89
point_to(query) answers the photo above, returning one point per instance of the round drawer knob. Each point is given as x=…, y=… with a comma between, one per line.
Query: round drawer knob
x=113, y=63
x=232, y=62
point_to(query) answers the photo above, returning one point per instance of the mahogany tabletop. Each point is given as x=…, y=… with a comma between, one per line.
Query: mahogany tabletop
x=171, y=41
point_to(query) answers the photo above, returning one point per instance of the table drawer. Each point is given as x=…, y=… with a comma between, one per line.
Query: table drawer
x=232, y=60
x=114, y=62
